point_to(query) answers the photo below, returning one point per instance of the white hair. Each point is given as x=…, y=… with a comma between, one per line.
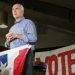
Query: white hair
x=22, y=8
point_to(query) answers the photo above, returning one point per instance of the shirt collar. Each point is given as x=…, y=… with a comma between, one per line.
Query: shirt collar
x=19, y=20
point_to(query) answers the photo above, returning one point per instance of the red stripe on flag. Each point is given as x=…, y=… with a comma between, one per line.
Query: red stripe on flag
x=20, y=61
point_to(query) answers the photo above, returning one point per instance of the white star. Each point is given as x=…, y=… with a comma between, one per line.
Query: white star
x=2, y=67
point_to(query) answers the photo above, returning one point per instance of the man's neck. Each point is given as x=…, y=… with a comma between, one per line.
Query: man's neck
x=18, y=19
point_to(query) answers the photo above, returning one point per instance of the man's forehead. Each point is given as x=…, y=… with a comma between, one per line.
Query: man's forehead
x=16, y=6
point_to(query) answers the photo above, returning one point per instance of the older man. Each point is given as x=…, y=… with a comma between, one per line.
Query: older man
x=21, y=33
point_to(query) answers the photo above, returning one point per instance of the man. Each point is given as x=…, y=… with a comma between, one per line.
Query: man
x=21, y=33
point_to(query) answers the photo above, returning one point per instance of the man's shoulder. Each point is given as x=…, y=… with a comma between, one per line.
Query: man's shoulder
x=28, y=20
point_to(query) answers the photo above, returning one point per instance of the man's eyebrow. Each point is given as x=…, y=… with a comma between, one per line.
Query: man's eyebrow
x=15, y=8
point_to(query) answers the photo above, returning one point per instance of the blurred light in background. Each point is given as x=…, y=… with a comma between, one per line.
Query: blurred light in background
x=3, y=19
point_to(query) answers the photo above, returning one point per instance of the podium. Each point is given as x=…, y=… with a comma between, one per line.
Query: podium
x=28, y=66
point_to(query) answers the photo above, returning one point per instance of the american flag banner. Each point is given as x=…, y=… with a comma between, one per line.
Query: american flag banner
x=13, y=60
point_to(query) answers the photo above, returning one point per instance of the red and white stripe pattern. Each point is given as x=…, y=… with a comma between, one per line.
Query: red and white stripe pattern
x=12, y=61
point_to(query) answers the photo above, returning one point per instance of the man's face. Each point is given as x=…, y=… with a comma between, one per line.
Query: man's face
x=17, y=11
